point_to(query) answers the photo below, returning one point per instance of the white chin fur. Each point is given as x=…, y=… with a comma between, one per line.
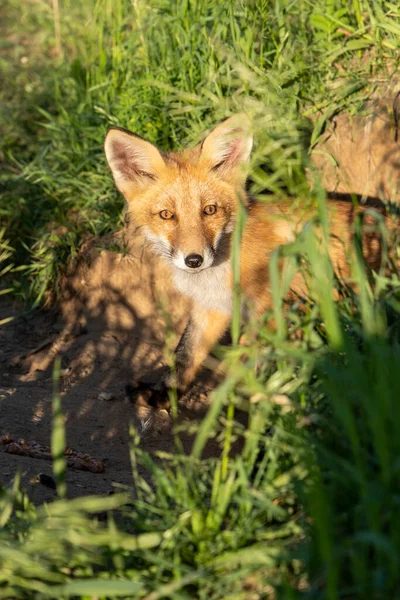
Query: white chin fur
x=207, y=287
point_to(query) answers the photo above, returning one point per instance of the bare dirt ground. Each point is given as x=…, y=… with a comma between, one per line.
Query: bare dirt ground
x=118, y=315
x=108, y=333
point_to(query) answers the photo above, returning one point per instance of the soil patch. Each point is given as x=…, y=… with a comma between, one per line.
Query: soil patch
x=119, y=317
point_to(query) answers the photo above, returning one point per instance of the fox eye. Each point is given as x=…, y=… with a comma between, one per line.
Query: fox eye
x=211, y=209
x=166, y=215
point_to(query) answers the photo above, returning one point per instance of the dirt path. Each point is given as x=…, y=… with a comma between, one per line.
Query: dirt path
x=108, y=334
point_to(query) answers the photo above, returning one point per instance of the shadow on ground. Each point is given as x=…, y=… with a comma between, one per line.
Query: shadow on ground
x=109, y=330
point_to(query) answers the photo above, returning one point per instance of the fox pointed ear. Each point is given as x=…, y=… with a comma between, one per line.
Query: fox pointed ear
x=229, y=145
x=134, y=162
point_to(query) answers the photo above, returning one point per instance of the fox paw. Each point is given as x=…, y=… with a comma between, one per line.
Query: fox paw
x=154, y=396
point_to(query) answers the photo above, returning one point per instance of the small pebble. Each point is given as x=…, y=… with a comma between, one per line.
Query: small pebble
x=106, y=396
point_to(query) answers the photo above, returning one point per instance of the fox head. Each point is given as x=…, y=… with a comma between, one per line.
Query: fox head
x=185, y=202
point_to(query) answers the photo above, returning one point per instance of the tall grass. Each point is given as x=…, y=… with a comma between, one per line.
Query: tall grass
x=308, y=508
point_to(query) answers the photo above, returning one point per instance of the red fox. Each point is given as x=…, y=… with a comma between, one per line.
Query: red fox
x=186, y=204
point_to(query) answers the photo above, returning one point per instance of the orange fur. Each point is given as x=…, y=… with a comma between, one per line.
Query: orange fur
x=186, y=204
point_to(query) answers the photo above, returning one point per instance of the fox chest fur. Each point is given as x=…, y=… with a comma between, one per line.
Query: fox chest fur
x=211, y=289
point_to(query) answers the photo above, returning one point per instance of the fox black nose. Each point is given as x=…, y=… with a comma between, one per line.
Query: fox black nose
x=193, y=261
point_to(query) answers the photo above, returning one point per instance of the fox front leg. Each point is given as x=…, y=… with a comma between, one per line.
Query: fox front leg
x=204, y=330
